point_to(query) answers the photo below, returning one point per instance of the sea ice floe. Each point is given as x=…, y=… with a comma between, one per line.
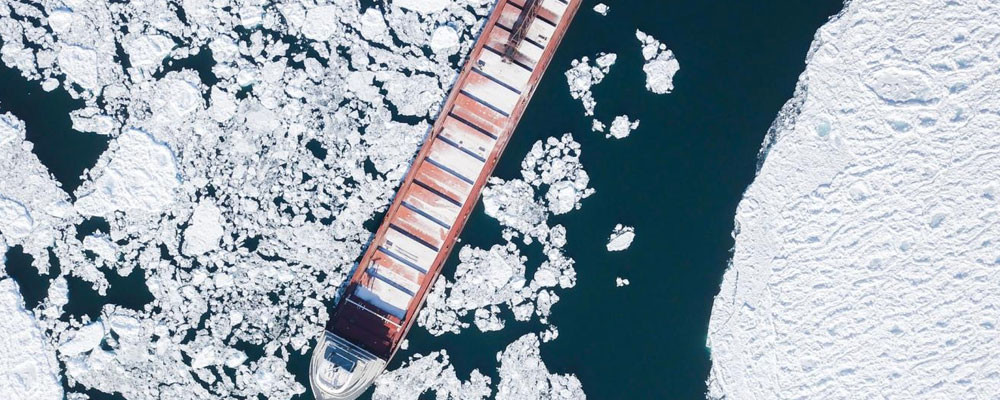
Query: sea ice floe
x=34, y=211
x=866, y=261
x=27, y=359
x=597, y=126
x=660, y=65
x=621, y=238
x=583, y=75
x=556, y=164
x=444, y=40
x=621, y=127
x=204, y=229
x=602, y=9
x=523, y=375
x=140, y=176
x=423, y=6
x=432, y=372
x=15, y=220
x=621, y=282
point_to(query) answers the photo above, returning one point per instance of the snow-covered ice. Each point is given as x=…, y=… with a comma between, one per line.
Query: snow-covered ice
x=583, y=75
x=621, y=238
x=523, y=375
x=140, y=177
x=433, y=372
x=602, y=9
x=444, y=40
x=204, y=230
x=621, y=127
x=866, y=258
x=660, y=64
x=27, y=360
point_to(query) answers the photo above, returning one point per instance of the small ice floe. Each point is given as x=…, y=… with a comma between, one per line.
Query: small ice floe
x=205, y=230
x=621, y=238
x=621, y=127
x=619, y=282
x=660, y=66
x=584, y=75
x=444, y=40
x=602, y=9
x=597, y=126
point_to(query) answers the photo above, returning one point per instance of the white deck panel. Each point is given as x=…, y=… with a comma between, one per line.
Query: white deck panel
x=420, y=225
x=470, y=139
x=444, y=182
x=456, y=160
x=382, y=262
x=530, y=50
x=432, y=204
x=386, y=297
x=491, y=92
x=409, y=249
x=491, y=63
x=556, y=7
x=540, y=31
x=385, y=273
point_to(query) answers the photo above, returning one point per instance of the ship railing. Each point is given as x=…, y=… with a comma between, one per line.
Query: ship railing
x=363, y=307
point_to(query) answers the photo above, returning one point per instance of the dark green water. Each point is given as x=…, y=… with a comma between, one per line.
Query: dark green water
x=677, y=180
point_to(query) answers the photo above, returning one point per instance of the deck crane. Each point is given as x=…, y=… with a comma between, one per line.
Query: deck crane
x=520, y=29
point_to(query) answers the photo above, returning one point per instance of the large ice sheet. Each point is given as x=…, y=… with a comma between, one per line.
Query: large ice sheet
x=866, y=260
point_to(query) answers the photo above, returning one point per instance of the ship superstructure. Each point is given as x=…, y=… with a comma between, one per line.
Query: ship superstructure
x=420, y=228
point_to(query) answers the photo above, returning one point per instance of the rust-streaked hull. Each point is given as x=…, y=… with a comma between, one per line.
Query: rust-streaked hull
x=442, y=187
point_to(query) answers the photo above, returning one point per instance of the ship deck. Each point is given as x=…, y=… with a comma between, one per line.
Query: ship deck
x=446, y=178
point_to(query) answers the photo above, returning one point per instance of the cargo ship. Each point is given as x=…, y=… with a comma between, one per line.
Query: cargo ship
x=380, y=303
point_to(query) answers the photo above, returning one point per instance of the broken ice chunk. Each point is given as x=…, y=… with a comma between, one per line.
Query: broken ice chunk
x=621, y=238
